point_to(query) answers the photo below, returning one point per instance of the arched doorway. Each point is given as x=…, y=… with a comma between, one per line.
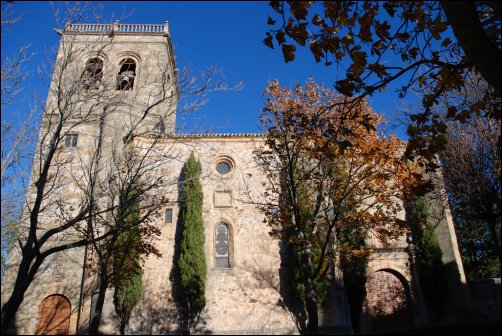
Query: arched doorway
x=54, y=316
x=388, y=301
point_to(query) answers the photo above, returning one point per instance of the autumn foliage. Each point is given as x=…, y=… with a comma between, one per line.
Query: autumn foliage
x=429, y=46
x=329, y=169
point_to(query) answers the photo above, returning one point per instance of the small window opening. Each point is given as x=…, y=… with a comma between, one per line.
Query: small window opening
x=71, y=140
x=93, y=74
x=169, y=215
x=125, y=78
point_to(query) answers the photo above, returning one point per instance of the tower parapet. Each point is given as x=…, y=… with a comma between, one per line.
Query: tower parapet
x=129, y=69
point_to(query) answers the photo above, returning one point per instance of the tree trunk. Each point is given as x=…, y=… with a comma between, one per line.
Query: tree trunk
x=492, y=226
x=123, y=325
x=9, y=310
x=24, y=278
x=311, y=307
x=310, y=293
x=98, y=309
x=478, y=48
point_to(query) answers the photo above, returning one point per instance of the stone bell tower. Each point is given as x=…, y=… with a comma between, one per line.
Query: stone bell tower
x=110, y=82
x=127, y=69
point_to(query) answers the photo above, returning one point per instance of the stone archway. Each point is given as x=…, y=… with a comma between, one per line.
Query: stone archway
x=388, y=301
x=54, y=316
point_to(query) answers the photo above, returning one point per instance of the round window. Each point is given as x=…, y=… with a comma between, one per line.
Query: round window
x=223, y=167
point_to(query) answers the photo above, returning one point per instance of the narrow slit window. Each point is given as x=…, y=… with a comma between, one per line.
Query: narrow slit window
x=71, y=140
x=168, y=215
x=222, y=246
x=93, y=74
x=127, y=72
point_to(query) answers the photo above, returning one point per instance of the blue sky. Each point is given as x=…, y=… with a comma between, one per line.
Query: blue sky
x=226, y=35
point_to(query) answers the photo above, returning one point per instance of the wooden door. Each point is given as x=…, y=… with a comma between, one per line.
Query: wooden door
x=54, y=316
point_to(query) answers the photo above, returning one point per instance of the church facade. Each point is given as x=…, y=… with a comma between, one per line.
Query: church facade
x=246, y=278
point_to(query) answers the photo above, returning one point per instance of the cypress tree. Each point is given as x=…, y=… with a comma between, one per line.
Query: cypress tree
x=192, y=261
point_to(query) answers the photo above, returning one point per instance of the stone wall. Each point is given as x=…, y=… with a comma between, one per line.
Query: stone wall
x=244, y=298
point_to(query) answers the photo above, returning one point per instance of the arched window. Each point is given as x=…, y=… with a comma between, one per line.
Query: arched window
x=93, y=74
x=127, y=72
x=222, y=246
x=54, y=316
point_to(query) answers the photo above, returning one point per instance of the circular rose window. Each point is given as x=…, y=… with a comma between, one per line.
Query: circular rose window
x=223, y=167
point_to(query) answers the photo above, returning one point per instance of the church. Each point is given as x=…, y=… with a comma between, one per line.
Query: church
x=126, y=70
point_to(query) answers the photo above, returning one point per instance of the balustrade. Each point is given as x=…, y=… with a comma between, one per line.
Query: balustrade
x=123, y=28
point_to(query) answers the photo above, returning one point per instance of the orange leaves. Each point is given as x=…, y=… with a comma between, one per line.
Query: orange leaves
x=288, y=50
x=318, y=20
x=277, y=6
x=299, y=9
x=268, y=41
x=437, y=26
x=364, y=38
x=345, y=86
x=382, y=30
x=346, y=171
x=280, y=37
x=359, y=58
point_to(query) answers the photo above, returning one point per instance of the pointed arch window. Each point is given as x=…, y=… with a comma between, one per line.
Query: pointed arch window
x=127, y=72
x=93, y=74
x=222, y=246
